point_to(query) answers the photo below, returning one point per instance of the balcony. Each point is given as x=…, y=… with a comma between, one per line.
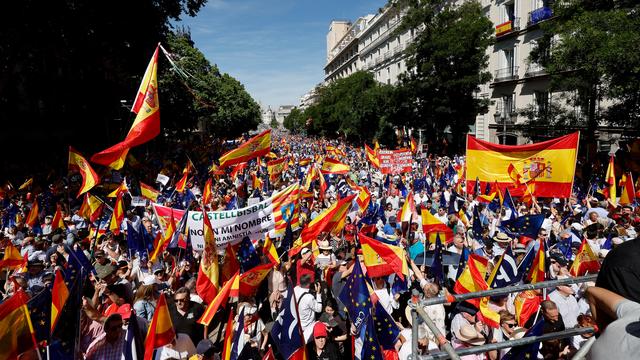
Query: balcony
x=534, y=69
x=505, y=119
x=508, y=27
x=539, y=15
x=506, y=74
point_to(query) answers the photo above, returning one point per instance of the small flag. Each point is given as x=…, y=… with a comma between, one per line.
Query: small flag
x=79, y=163
x=59, y=296
x=148, y=192
x=161, y=330
x=355, y=296
x=585, y=262
x=258, y=145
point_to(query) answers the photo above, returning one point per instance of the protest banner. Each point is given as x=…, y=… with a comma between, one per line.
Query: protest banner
x=395, y=161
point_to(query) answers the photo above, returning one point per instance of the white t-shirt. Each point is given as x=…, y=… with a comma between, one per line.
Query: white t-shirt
x=183, y=349
x=621, y=339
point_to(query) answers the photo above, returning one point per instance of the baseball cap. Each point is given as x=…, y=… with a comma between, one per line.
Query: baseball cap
x=305, y=251
x=319, y=330
x=205, y=347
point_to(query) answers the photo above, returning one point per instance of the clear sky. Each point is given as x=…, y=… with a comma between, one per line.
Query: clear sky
x=276, y=48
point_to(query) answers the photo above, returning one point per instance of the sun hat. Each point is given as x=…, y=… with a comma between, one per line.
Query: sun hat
x=502, y=237
x=470, y=335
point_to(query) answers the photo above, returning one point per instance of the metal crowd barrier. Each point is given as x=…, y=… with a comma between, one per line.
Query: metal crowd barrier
x=417, y=308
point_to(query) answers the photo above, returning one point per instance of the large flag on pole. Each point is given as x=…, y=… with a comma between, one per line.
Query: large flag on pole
x=79, y=163
x=628, y=193
x=207, y=282
x=610, y=179
x=146, y=125
x=259, y=145
x=551, y=164
x=161, y=330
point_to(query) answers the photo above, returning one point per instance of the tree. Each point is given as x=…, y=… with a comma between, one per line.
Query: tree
x=295, y=121
x=274, y=123
x=447, y=62
x=592, y=50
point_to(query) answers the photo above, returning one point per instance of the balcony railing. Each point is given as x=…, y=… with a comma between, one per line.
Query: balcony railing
x=506, y=74
x=509, y=119
x=539, y=15
x=508, y=27
x=534, y=69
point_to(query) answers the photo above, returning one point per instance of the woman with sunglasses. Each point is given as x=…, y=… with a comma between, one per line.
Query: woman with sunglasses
x=508, y=330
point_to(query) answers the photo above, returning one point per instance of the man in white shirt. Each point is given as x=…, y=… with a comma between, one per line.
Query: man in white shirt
x=567, y=305
x=308, y=305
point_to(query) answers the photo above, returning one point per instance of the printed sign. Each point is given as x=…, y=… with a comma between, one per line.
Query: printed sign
x=395, y=161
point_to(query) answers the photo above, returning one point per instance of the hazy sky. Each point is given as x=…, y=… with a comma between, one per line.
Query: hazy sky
x=276, y=48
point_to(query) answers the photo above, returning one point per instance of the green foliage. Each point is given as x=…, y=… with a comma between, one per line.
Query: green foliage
x=295, y=121
x=595, y=54
x=274, y=123
x=448, y=63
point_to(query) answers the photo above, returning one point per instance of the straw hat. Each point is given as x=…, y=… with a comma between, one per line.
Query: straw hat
x=324, y=245
x=470, y=335
x=502, y=237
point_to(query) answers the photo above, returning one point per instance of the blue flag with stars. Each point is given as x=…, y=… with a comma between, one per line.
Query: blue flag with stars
x=399, y=286
x=477, y=223
x=527, y=225
x=529, y=351
x=436, y=265
x=386, y=328
x=507, y=202
x=527, y=262
x=371, y=349
x=356, y=298
x=462, y=263
x=247, y=255
x=40, y=311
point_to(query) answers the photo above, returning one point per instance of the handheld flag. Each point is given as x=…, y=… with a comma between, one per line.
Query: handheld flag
x=610, y=179
x=164, y=239
x=328, y=220
x=148, y=192
x=161, y=330
x=538, y=270
x=333, y=166
x=432, y=227
x=382, y=259
x=79, y=163
x=207, y=281
x=221, y=298
x=505, y=271
x=472, y=277
x=436, y=265
x=181, y=185
x=372, y=156
x=628, y=194
x=528, y=225
x=258, y=145
x=269, y=250
x=146, y=125
x=286, y=329
x=59, y=296
x=16, y=331
x=585, y=262
x=526, y=304
x=355, y=296
x=529, y=351
x=12, y=258
x=117, y=215
x=227, y=343
x=32, y=218
x=91, y=207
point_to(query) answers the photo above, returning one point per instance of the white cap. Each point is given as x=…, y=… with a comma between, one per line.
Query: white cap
x=577, y=226
x=305, y=251
x=150, y=280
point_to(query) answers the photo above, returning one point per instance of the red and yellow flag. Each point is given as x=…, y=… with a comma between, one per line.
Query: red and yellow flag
x=372, y=156
x=538, y=270
x=333, y=166
x=382, y=259
x=610, y=179
x=472, y=277
x=432, y=226
x=551, y=164
x=207, y=192
x=146, y=125
x=249, y=281
x=408, y=208
x=12, y=258
x=526, y=304
x=227, y=343
x=221, y=299
x=269, y=250
x=328, y=220
x=215, y=170
x=91, y=207
x=165, y=239
x=16, y=331
x=161, y=330
x=79, y=163
x=585, y=262
x=256, y=182
x=59, y=296
x=286, y=209
x=276, y=167
x=122, y=188
x=57, y=222
x=258, y=145
x=207, y=282
x=117, y=215
x=363, y=199
x=304, y=162
x=628, y=195
x=181, y=185
x=414, y=146
x=148, y=192
x=32, y=218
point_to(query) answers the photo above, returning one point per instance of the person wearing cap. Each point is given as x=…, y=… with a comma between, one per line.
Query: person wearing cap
x=46, y=227
x=321, y=348
x=109, y=345
x=205, y=350
x=424, y=345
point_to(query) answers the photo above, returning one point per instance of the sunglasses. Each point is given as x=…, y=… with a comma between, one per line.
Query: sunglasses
x=511, y=326
x=180, y=300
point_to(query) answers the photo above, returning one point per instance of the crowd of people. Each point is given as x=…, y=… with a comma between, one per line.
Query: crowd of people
x=124, y=286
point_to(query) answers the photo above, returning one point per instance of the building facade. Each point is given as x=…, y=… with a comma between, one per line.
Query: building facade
x=282, y=112
x=268, y=115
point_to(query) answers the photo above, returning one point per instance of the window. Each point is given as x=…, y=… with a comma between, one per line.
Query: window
x=541, y=101
x=506, y=105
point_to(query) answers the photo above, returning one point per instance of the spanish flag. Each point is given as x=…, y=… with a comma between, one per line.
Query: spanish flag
x=414, y=146
x=222, y=298
x=79, y=163
x=256, y=182
x=585, y=262
x=551, y=164
x=165, y=239
x=286, y=209
x=161, y=330
x=382, y=259
x=408, y=209
x=181, y=185
x=32, y=218
x=333, y=166
x=372, y=156
x=117, y=215
x=122, y=188
x=227, y=344
x=207, y=192
x=207, y=282
x=328, y=220
x=146, y=125
x=215, y=170
x=304, y=162
x=148, y=192
x=431, y=226
x=269, y=250
x=12, y=258
x=628, y=195
x=57, y=222
x=91, y=207
x=249, y=281
x=610, y=179
x=59, y=296
x=472, y=277
x=258, y=145
x=363, y=199
x=538, y=270
x=526, y=304
x=276, y=167
x=16, y=331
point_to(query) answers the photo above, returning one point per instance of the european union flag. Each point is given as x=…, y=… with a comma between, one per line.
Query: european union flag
x=247, y=255
x=403, y=189
x=134, y=238
x=371, y=349
x=233, y=204
x=355, y=296
x=419, y=184
x=507, y=272
x=477, y=223
x=462, y=263
x=286, y=328
x=607, y=245
x=399, y=286
x=529, y=351
x=527, y=225
x=436, y=265
x=507, y=202
x=527, y=262
x=443, y=201
x=40, y=311
x=386, y=329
